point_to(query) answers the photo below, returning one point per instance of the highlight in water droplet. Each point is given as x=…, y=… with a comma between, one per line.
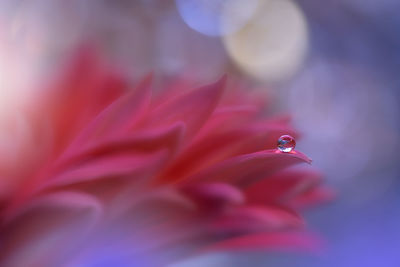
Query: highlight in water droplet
x=286, y=143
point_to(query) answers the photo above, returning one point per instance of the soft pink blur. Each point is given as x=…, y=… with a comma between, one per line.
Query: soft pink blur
x=120, y=176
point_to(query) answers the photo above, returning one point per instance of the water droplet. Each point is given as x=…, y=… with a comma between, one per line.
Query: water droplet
x=286, y=143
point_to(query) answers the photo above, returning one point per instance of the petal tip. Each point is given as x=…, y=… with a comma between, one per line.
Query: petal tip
x=296, y=154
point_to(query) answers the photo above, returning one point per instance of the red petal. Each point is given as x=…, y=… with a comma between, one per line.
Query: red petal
x=69, y=98
x=213, y=196
x=283, y=187
x=246, y=169
x=142, y=155
x=136, y=166
x=227, y=118
x=225, y=143
x=240, y=94
x=193, y=108
x=139, y=142
x=120, y=115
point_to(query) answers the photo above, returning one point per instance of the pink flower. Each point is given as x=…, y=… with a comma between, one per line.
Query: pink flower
x=125, y=177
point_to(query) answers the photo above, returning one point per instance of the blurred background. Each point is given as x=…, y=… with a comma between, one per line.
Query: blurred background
x=334, y=65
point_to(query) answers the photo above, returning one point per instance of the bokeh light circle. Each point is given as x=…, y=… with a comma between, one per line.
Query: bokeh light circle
x=272, y=45
x=216, y=17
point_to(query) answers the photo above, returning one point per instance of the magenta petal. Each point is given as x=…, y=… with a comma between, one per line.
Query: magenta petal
x=145, y=141
x=112, y=167
x=67, y=107
x=283, y=187
x=213, y=196
x=246, y=169
x=193, y=108
x=228, y=118
x=120, y=115
x=140, y=142
x=226, y=141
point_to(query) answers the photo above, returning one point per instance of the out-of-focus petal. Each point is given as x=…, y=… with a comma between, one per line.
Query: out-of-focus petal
x=283, y=187
x=213, y=196
x=227, y=118
x=314, y=196
x=69, y=97
x=193, y=108
x=256, y=218
x=146, y=141
x=280, y=241
x=158, y=176
x=120, y=166
x=120, y=115
x=40, y=241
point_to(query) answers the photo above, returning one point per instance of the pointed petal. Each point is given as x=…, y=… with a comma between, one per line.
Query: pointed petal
x=66, y=97
x=148, y=141
x=136, y=166
x=247, y=169
x=225, y=143
x=120, y=115
x=193, y=108
x=227, y=118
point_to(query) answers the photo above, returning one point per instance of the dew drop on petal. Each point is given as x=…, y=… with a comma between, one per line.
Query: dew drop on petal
x=286, y=143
